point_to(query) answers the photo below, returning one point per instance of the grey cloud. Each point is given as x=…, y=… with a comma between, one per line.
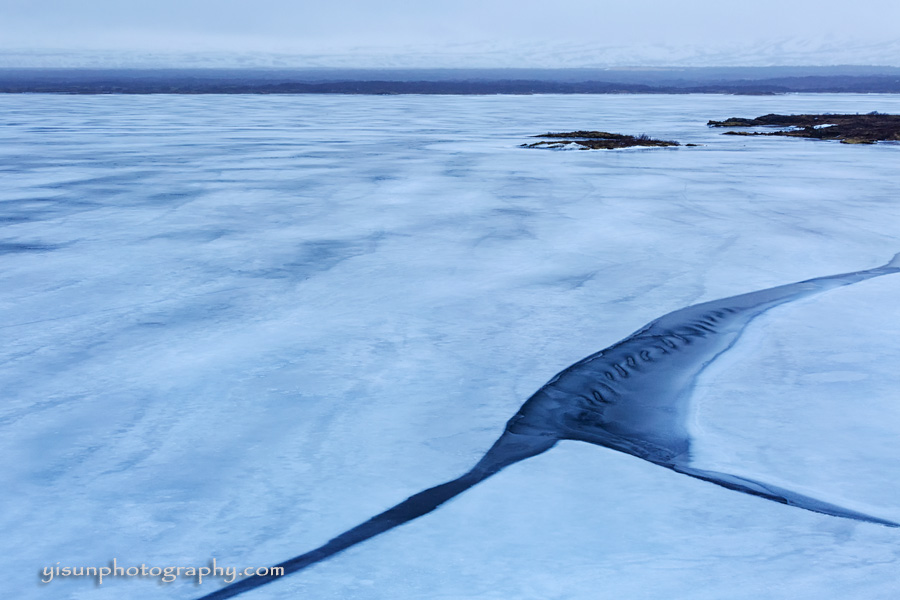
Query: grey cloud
x=342, y=25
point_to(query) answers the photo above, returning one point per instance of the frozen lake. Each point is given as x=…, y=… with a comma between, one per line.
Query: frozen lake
x=235, y=326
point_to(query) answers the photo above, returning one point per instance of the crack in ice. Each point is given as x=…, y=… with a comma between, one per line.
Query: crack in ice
x=613, y=400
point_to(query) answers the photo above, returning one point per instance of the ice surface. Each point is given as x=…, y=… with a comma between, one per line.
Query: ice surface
x=237, y=326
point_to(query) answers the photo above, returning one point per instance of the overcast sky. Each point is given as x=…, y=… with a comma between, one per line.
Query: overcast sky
x=402, y=27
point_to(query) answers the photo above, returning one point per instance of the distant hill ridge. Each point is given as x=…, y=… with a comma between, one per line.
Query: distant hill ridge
x=733, y=80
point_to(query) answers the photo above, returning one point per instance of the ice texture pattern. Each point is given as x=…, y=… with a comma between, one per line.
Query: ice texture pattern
x=237, y=326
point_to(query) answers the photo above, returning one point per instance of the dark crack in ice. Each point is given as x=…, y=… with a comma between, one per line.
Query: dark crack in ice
x=632, y=397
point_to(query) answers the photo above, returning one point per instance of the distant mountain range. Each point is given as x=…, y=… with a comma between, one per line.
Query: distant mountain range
x=728, y=80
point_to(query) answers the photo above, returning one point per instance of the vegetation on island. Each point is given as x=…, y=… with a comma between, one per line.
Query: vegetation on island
x=849, y=129
x=596, y=140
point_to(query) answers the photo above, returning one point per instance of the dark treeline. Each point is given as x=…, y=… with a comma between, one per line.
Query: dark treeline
x=235, y=81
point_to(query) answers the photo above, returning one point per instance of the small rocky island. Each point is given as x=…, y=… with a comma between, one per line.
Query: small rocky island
x=849, y=129
x=596, y=140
